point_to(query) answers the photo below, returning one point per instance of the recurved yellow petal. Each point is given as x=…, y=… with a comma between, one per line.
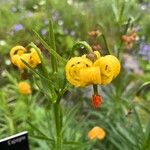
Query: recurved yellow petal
x=34, y=58
x=16, y=60
x=90, y=75
x=17, y=50
x=109, y=67
x=115, y=64
x=73, y=68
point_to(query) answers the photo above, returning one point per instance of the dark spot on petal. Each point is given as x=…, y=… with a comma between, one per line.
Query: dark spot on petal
x=15, y=52
x=78, y=62
x=106, y=67
x=87, y=65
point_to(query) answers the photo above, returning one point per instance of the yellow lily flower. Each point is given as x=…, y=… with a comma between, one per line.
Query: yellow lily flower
x=109, y=67
x=83, y=71
x=19, y=52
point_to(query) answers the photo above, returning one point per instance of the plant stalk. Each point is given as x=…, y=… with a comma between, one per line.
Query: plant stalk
x=52, y=44
x=95, y=89
x=106, y=45
x=58, y=125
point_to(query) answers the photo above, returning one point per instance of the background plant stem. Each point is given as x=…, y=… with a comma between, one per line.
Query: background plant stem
x=120, y=51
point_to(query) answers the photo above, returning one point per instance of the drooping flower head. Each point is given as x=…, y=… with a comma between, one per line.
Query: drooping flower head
x=96, y=133
x=82, y=71
x=24, y=87
x=16, y=53
x=19, y=53
x=92, y=69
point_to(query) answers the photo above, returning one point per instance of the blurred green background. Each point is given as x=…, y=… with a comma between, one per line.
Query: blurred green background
x=125, y=112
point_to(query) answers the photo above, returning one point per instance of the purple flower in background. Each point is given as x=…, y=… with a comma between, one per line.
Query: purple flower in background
x=18, y=27
x=55, y=16
x=46, y=21
x=131, y=64
x=145, y=51
x=43, y=31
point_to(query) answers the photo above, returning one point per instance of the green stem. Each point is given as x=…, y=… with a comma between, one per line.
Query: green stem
x=52, y=44
x=58, y=125
x=95, y=89
x=50, y=50
x=106, y=45
x=121, y=12
x=83, y=44
x=121, y=42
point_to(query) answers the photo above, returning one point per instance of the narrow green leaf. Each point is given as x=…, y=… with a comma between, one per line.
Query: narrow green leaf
x=147, y=131
x=35, y=72
x=42, y=67
x=37, y=130
x=124, y=133
x=116, y=144
x=42, y=138
x=108, y=52
x=51, y=35
x=70, y=115
x=53, y=52
x=66, y=87
x=122, y=8
x=137, y=118
x=52, y=45
x=72, y=143
x=142, y=87
x=144, y=108
x=120, y=50
x=48, y=89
